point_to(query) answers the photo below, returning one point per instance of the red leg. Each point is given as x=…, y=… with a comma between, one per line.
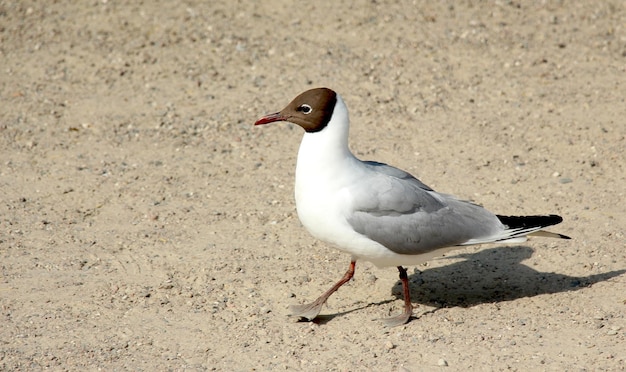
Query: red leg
x=401, y=319
x=312, y=310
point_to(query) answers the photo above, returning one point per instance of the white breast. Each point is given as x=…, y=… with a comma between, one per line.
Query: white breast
x=325, y=168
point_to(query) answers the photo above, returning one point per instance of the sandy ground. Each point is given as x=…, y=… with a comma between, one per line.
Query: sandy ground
x=146, y=224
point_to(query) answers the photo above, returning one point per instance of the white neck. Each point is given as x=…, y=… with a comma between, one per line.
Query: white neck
x=320, y=152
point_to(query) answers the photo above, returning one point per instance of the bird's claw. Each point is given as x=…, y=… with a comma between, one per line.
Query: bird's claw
x=307, y=311
x=398, y=320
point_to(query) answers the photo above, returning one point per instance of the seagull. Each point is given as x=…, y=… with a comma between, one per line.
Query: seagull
x=376, y=212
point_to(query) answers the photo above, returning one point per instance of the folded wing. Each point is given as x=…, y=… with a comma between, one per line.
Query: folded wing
x=408, y=217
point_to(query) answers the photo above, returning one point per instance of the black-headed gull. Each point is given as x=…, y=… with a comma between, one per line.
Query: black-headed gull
x=376, y=212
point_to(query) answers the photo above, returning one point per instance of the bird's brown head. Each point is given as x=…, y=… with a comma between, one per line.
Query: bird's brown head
x=311, y=110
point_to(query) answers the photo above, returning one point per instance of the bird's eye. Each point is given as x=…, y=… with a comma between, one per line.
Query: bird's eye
x=305, y=109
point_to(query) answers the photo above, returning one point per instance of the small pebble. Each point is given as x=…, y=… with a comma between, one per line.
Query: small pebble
x=371, y=279
x=389, y=345
x=442, y=363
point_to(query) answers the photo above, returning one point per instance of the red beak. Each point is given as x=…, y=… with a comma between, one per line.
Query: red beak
x=270, y=118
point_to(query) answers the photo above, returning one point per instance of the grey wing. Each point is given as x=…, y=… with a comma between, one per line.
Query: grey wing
x=408, y=217
x=395, y=173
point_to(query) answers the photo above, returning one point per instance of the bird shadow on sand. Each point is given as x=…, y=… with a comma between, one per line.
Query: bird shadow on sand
x=491, y=275
x=487, y=276
x=325, y=318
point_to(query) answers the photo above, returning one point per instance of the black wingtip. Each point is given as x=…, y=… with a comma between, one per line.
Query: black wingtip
x=525, y=222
